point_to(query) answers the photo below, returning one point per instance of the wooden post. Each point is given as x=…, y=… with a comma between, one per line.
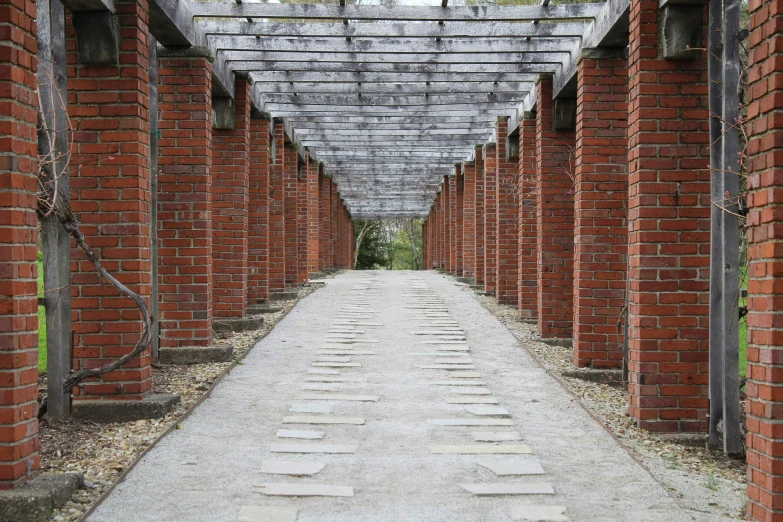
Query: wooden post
x=55, y=241
x=153, y=86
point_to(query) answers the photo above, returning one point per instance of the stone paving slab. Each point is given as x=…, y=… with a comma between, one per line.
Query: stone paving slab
x=267, y=514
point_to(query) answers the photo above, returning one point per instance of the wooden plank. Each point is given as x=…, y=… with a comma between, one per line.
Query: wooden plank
x=350, y=59
x=52, y=84
x=368, y=78
x=246, y=62
x=517, y=13
x=393, y=30
x=448, y=133
x=356, y=87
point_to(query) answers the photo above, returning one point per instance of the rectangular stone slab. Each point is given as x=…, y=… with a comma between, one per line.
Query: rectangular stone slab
x=459, y=382
x=509, y=489
x=328, y=378
x=469, y=391
x=321, y=371
x=482, y=449
x=267, y=514
x=313, y=448
x=434, y=332
x=446, y=366
x=318, y=387
x=336, y=365
x=471, y=422
x=340, y=336
x=310, y=408
x=494, y=411
x=471, y=400
x=431, y=354
x=300, y=434
x=510, y=469
x=495, y=436
x=337, y=397
x=443, y=341
x=464, y=375
x=343, y=352
x=303, y=490
x=369, y=324
x=538, y=513
x=456, y=359
x=285, y=467
x=309, y=419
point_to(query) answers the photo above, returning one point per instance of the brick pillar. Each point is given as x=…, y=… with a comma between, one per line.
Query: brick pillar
x=479, y=210
x=490, y=218
x=469, y=220
x=527, y=304
x=555, y=218
x=291, y=199
x=258, y=212
x=438, y=231
x=19, y=459
x=277, y=211
x=447, y=225
x=453, y=223
x=669, y=232
x=302, y=223
x=600, y=196
x=324, y=230
x=230, y=209
x=506, y=246
x=335, y=202
x=459, y=189
x=424, y=243
x=765, y=258
x=313, y=216
x=110, y=193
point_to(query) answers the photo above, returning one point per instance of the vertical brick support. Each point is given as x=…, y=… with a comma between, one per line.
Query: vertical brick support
x=453, y=198
x=19, y=459
x=506, y=249
x=438, y=231
x=302, y=223
x=258, y=212
x=479, y=210
x=490, y=218
x=313, y=216
x=469, y=220
x=527, y=304
x=291, y=202
x=555, y=218
x=184, y=201
x=324, y=212
x=110, y=192
x=669, y=232
x=600, y=196
x=425, y=243
x=277, y=245
x=335, y=203
x=765, y=258
x=230, y=186
x=459, y=193
x=447, y=225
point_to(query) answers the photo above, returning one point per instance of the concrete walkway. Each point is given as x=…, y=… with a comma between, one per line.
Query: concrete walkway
x=399, y=463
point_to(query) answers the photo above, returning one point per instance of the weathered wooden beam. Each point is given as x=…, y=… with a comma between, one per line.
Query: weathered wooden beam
x=305, y=120
x=171, y=23
x=516, y=13
x=369, y=78
x=357, y=127
x=391, y=132
x=392, y=141
x=394, y=45
x=393, y=30
x=89, y=5
x=355, y=87
x=240, y=61
x=350, y=59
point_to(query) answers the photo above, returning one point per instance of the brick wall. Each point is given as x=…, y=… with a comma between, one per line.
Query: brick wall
x=291, y=199
x=302, y=221
x=601, y=192
x=459, y=188
x=230, y=185
x=277, y=236
x=527, y=304
x=258, y=212
x=19, y=459
x=490, y=218
x=184, y=201
x=669, y=228
x=335, y=202
x=448, y=235
x=469, y=220
x=110, y=193
x=313, y=216
x=506, y=249
x=478, y=154
x=453, y=198
x=325, y=213
x=554, y=219
x=765, y=200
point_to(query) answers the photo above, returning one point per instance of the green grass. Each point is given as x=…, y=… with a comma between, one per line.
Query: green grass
x=41, y=321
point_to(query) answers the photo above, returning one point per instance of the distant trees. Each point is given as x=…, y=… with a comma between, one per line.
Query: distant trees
x=393, y=244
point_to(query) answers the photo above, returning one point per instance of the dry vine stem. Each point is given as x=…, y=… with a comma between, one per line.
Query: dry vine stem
x=52, y=201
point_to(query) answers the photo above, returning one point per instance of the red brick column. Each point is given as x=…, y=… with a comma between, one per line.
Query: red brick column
x=453, y=198
x=230, y=164
x=448, y=226
x=669, y=232
x=438, y=230
x=291, y=199
x=324, y=230
x=555, y=219
x=765, y=258
x=527, y=304
x=302, y=223
x=459, y=188
x=258, y=212
x=425, y=242
x=469, y=220
x=490, y=218
x=507, y=213
x=478, y=153
x=335, y=225
x=601, y=193
x=277, y=247
x=110, y=193
x=19, y=459
x=313, y=216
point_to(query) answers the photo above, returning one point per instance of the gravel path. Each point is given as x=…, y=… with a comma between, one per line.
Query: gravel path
x=207, y=470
